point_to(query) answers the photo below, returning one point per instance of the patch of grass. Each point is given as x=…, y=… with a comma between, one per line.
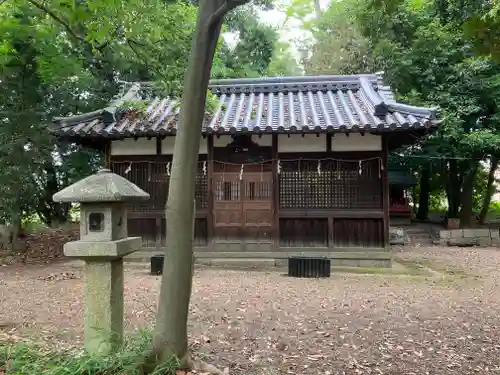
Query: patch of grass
x=415, y=267
x=447, y=271
x=398, y=269
x=26, y=359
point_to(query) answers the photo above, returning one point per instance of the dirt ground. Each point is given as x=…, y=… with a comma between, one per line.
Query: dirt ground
x=443, y=322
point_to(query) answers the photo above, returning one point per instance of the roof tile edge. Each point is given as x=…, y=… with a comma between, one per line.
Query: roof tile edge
x=293, y=84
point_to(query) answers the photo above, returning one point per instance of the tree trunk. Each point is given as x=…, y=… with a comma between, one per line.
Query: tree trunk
x=466, y=196
x=413, y=194
x=16, y=230
x=490, y=189
x=453, y=188
x=317, y=9
x=423, y=199
x=170, y=334
x=52, y=213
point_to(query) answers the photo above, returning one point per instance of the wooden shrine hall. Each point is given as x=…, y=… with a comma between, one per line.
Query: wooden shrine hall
x=286, y=165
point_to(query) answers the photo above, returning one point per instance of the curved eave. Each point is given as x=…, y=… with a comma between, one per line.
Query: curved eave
x=77, y=119
x=410, y=110
x=147, y=133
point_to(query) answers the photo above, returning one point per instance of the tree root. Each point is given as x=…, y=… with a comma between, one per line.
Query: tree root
x=203, y=367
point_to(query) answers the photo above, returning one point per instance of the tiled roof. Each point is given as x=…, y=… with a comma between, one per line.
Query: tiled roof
x=285, y=104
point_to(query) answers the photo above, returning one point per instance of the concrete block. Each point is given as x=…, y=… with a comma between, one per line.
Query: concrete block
x=445, y=234
x=494, y=233
x=482, y=232
x=456, y=233
x=468, y=233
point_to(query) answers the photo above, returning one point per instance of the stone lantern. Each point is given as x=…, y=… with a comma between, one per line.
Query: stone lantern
x=103, y=243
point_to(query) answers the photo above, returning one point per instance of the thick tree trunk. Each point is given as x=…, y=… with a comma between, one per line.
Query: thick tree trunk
x=466, y=196
x=423, y=199
x=16, y=230
x=490, y=190
x=170, y=334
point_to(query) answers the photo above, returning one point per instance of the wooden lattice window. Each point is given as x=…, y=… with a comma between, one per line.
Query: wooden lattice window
x=201, y=188
x=154, y=178
x=258, y=190
x=330, y=185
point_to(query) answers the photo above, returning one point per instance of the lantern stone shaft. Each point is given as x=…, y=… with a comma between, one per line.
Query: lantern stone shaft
x=102, y=245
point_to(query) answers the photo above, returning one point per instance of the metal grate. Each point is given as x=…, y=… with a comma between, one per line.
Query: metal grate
x=157, y=262
x=308, y=267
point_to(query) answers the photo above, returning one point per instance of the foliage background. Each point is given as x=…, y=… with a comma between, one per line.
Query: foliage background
x=64, y=57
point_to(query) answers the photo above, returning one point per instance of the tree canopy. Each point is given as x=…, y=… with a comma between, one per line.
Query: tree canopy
x=63, y=57
x=432, y=54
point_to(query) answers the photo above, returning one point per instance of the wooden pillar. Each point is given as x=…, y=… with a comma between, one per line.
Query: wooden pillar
x=107, y=154
x=276, y=192
x=330, y=240
x=210, y=197
x=158, y=220
x=158, y=145
x=329, y=143
x=385, y=189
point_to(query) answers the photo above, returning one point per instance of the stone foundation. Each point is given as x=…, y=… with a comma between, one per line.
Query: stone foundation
x=273, y=259
x=263, y=260
x=283, y=263
x=470, y=237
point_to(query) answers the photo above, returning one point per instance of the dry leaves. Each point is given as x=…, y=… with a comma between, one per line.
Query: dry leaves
x=60, y=276
x=43, y=247
x=261, y=323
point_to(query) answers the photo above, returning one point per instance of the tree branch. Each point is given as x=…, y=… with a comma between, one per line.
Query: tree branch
x=144, y=59
x=223, y=10
x=56, y=18
x=106, y=43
